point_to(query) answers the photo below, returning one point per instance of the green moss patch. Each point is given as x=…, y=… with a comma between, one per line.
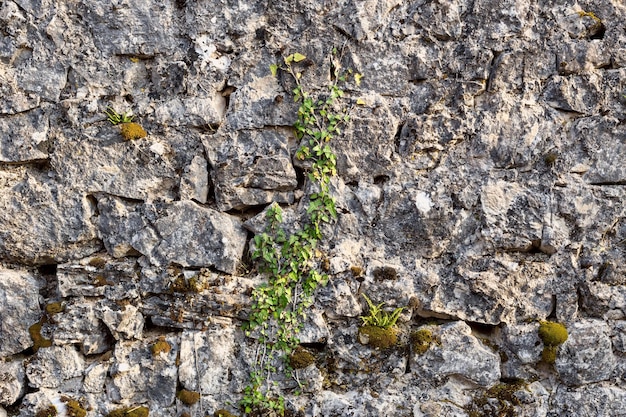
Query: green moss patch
x=421, y=340
x=552, y=335
x=188, y=397
x=223, y=413
x=301, y=358
x=50, y=411
x=378, y=337
x=160, y=346
x=35, y=334
x=140, y=411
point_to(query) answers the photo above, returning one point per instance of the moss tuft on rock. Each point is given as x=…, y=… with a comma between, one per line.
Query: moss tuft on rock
x=160, y=346
x=73, y=408
x=223, y=413
x=38, y=340
x=49, y=411
x=548, y=355
x=498, y=401
x=421, y=340
x=378, y=337
x=54, y=308
x=552, y=335
x=140, y=411
x=132, y=131
x=188, y=397
x=97, y=262
x=301, y=358
x=384, y=273
x=356, y=270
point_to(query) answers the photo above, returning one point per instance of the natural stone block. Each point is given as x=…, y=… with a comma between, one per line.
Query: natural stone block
x=56, y=367
x=12, y=382
x=458, y=353
x=43, y=221
x=587, y=355
x=24, y=137
x=252, y=167
x=19, y=298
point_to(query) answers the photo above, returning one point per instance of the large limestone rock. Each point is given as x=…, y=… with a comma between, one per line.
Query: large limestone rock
x=599, y=401
x=457, y=353
x=79, y=323
x=141, y=169
x=43, y=221
x=12, y=382
x=26, y=134
x=252, y=167
x=59, y=367
x=19, y=297
x=142, y=372
x=587, y=355
x=183, y=233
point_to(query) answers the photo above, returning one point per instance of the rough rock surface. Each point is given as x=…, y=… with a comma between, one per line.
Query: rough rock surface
x=19, y=297
x=481, y=186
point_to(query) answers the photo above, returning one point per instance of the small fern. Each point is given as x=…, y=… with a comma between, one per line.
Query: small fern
x=379, y=317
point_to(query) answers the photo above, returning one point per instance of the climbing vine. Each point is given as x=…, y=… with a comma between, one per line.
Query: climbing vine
x=291, y=261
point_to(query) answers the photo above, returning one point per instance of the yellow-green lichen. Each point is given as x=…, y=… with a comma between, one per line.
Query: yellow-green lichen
x=160, y=346
x=131, y=131
x=140, y=411
x=38, y=340
x=552, y=335
x=421, y=340
x=49, y=411
x=378, y=337
x=301, y=358
x=188, y=397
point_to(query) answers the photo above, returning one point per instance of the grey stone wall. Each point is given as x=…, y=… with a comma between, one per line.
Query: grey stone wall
x=482, y=185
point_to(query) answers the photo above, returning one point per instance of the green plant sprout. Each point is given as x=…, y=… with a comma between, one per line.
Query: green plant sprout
x=115, y=118
x=379, y=317
x=292, y=262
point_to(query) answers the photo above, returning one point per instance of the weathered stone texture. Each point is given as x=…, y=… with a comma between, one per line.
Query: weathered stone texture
x=19, y=297
x=43, y=221
x=458, y=353
x=12, y=380
x=480, y=186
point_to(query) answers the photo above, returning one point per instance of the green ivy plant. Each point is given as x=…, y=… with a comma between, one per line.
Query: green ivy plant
x=379, y=317
x=291, y=261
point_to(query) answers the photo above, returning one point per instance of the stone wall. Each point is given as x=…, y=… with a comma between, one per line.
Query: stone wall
x=481, y=186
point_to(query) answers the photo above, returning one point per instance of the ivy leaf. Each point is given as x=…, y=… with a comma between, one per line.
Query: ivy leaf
x=361, y=102
x=297, y=57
